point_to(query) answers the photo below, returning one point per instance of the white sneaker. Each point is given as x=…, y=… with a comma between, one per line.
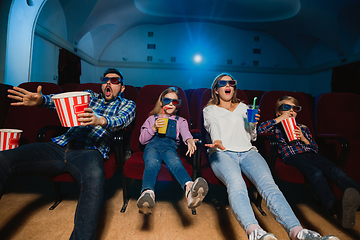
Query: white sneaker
x=146, y=202
x=196, y=192
x=260, y=234
x=306, y=234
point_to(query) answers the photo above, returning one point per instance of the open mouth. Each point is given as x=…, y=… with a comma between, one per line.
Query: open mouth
x=108, y=91
x=227, y=91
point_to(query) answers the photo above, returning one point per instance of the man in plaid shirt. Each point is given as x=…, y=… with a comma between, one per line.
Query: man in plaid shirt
x=79, y=152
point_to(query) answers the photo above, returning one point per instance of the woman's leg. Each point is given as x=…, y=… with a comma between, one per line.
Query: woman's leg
x=257, y=171
x=226, y=167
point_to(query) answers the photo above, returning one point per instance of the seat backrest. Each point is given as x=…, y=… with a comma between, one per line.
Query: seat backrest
x=338, y=113
x=267, y=106
x=145, y=102
x=254, y=93
x=69, y=87
x=31, y=119
x=131, y=92
x=95, y=87
x=4, y=102
x=194, y=107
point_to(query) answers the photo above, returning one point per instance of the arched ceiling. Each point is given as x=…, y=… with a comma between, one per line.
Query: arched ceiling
x=299, y=25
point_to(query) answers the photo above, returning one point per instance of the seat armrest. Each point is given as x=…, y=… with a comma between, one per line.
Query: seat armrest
x=197, y=154
x=118, y=148
x=41, y=133
x=271, y=156
x=344, y=143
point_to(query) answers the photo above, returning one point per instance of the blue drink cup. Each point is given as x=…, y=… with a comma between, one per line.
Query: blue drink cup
x=251, y=115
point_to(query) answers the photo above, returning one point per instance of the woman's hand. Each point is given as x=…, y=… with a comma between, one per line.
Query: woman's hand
x=283, y=116
x=158, y=124
x=24, y=97
x=91, y=118
x=191, y=146
x=216, y=144
x=257, y=117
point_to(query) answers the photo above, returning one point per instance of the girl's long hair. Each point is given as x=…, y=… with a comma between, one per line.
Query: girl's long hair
x=280, y=101
x=158, y=107
x=214, y=98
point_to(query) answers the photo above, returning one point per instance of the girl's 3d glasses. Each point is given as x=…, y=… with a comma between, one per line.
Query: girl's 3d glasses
x=175, y=102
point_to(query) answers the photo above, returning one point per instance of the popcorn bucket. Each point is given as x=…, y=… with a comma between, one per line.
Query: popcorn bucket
x=289, y=126
x=9, y=138
x=69, y=105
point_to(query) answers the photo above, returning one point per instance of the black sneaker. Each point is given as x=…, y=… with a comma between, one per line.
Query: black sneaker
x=350, y=202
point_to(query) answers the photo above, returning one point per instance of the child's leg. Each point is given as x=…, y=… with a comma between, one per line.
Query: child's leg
x=152, y=162
x=196, y=191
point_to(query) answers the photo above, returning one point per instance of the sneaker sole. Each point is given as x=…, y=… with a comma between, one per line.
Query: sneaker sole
x=350, y=203
x=268, y=236
x=199, y=189
x=145, y=204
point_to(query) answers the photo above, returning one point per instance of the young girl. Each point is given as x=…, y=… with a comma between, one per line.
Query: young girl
x=304, y=156
x=162, y=148
x=231, y=154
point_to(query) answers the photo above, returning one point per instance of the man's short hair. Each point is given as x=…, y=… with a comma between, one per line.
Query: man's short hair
x=114, y=70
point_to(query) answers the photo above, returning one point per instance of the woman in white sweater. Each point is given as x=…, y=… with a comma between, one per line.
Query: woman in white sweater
x=231, y=154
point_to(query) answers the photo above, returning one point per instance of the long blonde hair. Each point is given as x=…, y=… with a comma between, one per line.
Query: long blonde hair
x=214, y=98
x=158, y=106
x=280, y=101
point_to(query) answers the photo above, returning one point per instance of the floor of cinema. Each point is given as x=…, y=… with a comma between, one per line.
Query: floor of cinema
x=24, y=213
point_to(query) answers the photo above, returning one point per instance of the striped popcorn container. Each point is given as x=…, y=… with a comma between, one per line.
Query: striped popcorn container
x=9, y=138
x=289, y=126
x=69, y=105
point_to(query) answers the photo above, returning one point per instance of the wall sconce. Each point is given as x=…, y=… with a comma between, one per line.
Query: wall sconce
x=125, y=58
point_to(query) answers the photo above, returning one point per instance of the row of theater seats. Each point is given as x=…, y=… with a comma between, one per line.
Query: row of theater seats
x=333, y=116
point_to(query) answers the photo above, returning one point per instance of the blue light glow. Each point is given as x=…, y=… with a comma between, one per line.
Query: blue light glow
x=197, y=58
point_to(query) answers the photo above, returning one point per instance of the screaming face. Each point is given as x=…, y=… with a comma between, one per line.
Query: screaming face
x=110, y=90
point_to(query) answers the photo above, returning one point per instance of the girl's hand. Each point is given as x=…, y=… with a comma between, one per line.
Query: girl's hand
x=24, y=97
x=91, y=118
x=217, y=143
x=158, y=124
x=300, y=135
x=191, y=146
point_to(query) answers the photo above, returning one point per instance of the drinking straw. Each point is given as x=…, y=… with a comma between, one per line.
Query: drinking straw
x=254, y=102
x=162, y=114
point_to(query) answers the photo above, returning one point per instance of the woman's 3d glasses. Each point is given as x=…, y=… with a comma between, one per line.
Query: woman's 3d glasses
x=113, y=80
x=223, y=83
x=287, y=107
x=175, y=102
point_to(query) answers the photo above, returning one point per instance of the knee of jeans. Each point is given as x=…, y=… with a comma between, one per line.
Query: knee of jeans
x=315, y=174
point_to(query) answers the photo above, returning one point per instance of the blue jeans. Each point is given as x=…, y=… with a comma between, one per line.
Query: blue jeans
x=314, y=166
x=228, y=167
x=158, y=150
x=85, y=165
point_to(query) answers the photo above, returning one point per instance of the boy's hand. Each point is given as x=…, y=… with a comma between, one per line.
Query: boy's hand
x=300, y=135
x=191, y=146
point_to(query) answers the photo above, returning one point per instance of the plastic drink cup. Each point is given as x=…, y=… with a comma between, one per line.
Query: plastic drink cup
x=162, y=130
x=9, y=138
x=69, y=105
x=289, y=126
x=251, y=113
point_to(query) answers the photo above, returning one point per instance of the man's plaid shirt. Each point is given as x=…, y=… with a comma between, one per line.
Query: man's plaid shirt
x=287, y=149
x=119, y=113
